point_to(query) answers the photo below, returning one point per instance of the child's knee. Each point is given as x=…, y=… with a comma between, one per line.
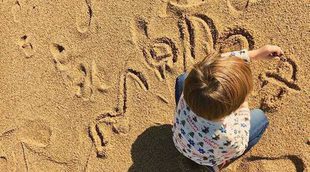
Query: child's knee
x=260, y=116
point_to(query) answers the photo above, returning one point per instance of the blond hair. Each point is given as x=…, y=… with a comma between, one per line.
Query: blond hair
x=216, y=87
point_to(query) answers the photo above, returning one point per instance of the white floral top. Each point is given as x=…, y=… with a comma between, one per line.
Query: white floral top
x=207, y=142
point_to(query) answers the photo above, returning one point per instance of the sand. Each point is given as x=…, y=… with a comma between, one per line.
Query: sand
x=89, y=85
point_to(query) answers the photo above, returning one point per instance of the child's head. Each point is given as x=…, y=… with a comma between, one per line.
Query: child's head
x=216, y=87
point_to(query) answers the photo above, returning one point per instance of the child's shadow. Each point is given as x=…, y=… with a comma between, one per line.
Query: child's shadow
x=154, y=150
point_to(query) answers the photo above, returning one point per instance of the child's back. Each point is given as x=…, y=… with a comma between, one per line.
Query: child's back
x=213, y=123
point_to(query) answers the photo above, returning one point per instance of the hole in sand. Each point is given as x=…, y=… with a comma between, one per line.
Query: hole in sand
x=60, y=48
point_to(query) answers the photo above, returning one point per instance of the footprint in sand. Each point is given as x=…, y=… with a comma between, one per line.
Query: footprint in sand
x=26, y=46
x=287, y=163
x=276, y=84
x=40, y=161
x=15, y=10
x=84, y=16
x=241, y=5
x=60, y=56
x=83, y=77
x=24, y=148
x=187, y=3
x=34, y=134
x=3, y=163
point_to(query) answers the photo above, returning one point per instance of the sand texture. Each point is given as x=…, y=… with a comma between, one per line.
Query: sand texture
x=88, y=85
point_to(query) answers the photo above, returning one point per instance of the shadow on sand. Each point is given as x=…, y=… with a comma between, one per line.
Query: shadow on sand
x=154, y=151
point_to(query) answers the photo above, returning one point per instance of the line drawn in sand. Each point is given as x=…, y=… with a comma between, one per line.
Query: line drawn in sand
x=284, y=78
x=26, y=46
x=106, y=124
x=296, y=161
x=32, y=137
x=84, y=16
x=84, y=78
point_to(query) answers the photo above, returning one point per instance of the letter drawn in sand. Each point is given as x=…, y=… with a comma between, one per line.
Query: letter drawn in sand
x=275, y=84
x=159, y=53
x=90, y=82
x=200, y=37
x=108, y=123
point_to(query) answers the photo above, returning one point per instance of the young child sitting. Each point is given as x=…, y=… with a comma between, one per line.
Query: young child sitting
x=213, y=124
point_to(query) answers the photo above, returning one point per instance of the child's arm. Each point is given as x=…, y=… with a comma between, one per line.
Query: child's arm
x=266, y=52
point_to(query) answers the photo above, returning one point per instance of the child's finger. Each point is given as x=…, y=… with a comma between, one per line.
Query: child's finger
x=280, y=52
x=277, y=51
x=275, y=54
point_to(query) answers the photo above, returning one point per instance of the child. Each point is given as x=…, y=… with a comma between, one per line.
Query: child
x=213, y=123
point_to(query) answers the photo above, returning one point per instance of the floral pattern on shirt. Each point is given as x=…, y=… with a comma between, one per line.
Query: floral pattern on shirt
x=207, y=142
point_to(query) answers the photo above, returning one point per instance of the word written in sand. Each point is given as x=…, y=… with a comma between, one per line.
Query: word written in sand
x=198, y=38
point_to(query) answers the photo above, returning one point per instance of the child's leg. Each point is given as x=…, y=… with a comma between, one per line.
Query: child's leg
x=259, y=123
x=179, y=86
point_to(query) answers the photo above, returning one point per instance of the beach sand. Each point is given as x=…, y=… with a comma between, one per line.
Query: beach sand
x=89, y=85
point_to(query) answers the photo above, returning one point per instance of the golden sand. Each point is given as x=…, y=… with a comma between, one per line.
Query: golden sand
x=89, y=85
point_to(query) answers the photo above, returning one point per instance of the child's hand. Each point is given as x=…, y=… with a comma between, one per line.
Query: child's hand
x=266, y=52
